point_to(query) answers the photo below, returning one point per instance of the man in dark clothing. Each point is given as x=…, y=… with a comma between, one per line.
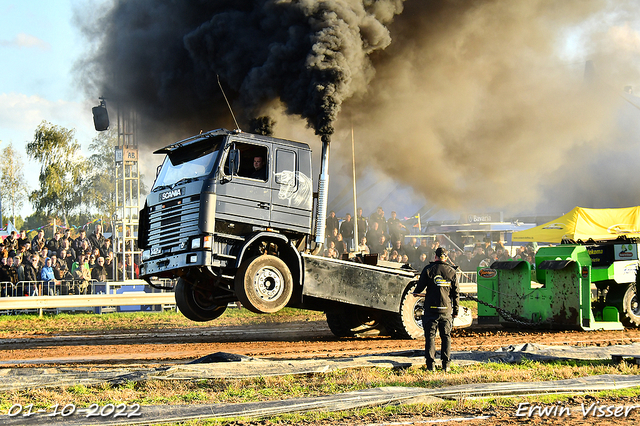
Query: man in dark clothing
x=78, y=242
x=331, y=223
x=363, y=226
x=373, y=234
x=397, y=246
x=377, y=246
x=23, y=240
x=423, y=248
x=4, y=270
x=397, y=230
x=346, y=229
x=12, y=271
x=67, y=236
x=54, y=243
x=411, y=248
x=378, y=216
x=31, y=275
x=259, y=168
x=11, y=242
x=38, y=242
x=464, y=262
x=97, y=240
x=440, y=306
x=99, y=272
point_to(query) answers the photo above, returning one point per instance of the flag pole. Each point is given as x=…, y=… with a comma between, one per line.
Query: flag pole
x=355, y=204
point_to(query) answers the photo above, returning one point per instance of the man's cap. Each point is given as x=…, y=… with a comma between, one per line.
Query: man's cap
x=441, y=251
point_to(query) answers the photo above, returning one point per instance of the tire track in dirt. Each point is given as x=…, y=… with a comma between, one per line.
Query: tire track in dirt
x=291, y=340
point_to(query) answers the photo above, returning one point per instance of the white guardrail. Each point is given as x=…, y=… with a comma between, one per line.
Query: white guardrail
x=25, y=295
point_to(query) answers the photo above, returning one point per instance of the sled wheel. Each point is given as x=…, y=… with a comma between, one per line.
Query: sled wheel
x=407, y=324
x=196, y=304
x=264, y=284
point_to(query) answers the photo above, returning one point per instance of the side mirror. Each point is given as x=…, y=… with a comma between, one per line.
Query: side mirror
x=234, y=161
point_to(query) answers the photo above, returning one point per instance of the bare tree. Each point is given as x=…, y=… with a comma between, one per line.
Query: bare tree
x=14, y=185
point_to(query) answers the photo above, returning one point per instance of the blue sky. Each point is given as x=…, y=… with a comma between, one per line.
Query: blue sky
x=39, y=45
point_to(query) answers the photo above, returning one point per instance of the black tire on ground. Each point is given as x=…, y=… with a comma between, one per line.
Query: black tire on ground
x=264, y=284
x=630, y=315
x=407, y=324
x=351, y=321
x=196, y=304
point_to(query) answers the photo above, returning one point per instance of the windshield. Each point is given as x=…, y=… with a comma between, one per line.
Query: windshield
x=187, y=163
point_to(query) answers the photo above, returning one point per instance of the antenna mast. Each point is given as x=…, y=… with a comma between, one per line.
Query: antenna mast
x=228, y=104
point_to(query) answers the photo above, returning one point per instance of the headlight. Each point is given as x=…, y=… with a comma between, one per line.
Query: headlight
x=146, y=255
x=207, y=241
x=195, y=244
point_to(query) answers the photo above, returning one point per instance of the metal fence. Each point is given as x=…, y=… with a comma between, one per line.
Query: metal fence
x=99, y=296
x=47, y=288
x=467, y=277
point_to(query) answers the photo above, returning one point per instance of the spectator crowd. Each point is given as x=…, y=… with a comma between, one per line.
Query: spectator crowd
x=391, y=241
x=64, y=264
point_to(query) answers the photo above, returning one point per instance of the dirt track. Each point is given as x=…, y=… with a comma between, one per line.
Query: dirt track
x=302, y=340
x=291, y=340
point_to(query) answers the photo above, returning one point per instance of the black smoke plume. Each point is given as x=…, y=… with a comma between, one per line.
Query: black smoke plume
x=162, y=57
x=474, y=104
x=262, y=125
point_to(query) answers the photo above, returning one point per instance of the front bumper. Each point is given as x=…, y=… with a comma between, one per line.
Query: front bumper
x=172, y=264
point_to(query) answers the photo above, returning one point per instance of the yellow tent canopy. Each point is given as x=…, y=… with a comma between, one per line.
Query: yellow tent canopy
x=582, y=224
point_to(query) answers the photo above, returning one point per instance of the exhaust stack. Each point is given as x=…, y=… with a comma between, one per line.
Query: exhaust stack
x=323, y=192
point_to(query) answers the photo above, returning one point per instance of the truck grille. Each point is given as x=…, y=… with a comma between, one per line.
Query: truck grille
x=171, y=222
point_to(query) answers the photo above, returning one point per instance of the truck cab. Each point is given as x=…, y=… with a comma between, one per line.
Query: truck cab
x=210, y=207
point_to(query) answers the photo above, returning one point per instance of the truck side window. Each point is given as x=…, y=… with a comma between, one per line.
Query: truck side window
x=286, y=168
x=254, y=161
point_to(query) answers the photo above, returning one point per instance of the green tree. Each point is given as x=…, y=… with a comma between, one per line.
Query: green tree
x=14, y=186
x=62, y=169
x=35, y=221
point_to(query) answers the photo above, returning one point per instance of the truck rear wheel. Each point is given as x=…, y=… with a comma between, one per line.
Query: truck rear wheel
x=264, y=284
x=351, y=321
x=195, y=304
x=630, y=308
x=407, y=324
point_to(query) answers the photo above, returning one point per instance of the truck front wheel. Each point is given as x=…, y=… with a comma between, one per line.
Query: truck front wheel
x=264, y=284
x=195, y=304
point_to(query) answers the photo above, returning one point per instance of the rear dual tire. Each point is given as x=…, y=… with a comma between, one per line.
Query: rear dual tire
x=407, y=324
x=352, y=321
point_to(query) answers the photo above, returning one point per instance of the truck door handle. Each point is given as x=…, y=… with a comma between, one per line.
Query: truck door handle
x=263, y=206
